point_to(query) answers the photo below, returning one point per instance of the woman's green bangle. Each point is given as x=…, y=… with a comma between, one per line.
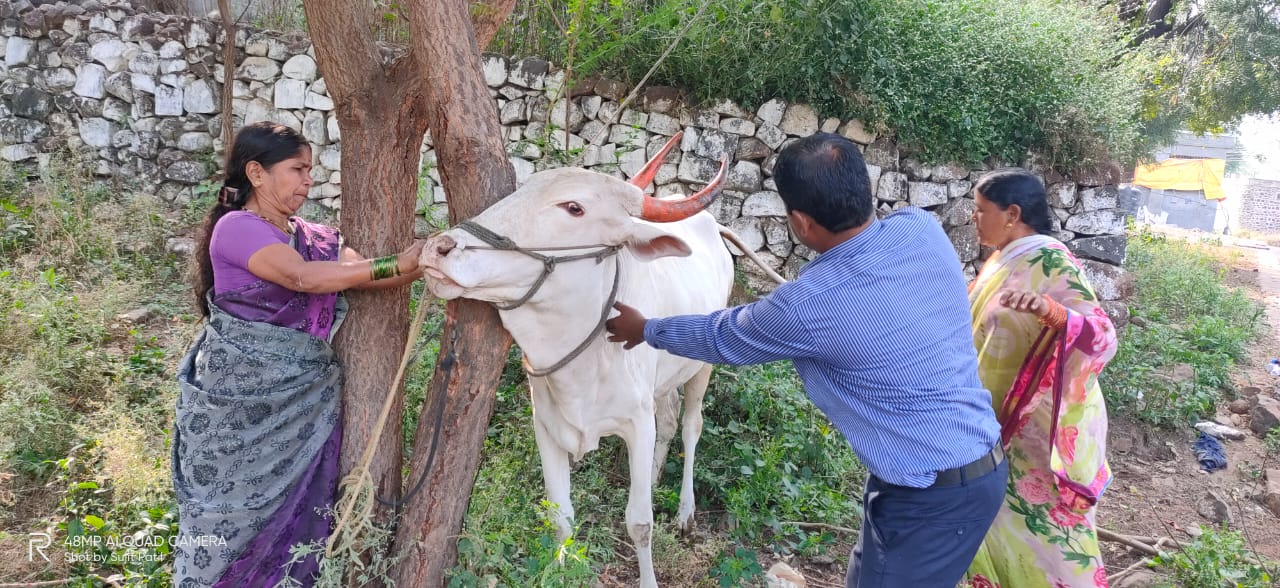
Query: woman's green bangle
x=384, y=267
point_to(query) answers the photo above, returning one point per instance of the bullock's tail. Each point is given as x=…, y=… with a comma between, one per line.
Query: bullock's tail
x=737, y=241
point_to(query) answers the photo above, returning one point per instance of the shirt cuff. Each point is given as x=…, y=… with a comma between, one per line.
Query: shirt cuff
x=651, y=330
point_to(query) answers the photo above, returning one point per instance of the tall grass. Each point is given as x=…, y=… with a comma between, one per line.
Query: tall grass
x=86, y=397
x=1176, y=366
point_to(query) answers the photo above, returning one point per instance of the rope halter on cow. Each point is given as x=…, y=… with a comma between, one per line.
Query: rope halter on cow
x=652, y=209
x=549, y=262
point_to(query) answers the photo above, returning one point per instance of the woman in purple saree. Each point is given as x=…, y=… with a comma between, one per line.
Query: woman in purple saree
x=259, y=416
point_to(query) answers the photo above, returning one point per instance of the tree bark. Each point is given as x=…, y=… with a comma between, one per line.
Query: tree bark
x=380, y=141
x=475, y=173
x=228, y=71
x=384, y=109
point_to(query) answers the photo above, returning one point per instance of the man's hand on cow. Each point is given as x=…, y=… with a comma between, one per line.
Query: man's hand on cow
x=626, y=328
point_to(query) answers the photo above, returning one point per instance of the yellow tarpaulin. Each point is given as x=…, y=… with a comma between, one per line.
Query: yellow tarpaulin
x=1184, y=174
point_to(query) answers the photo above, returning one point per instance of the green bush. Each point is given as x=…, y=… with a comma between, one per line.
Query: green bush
x=1190, y=320
x=966, y=79
x=1216, y=559
x=767, y=457
x=955, y=80
x=1272, y=442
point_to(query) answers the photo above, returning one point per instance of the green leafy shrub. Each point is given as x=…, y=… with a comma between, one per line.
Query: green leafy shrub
x=132, y=536
x=768, y=457
x=736, y=567
x=1216, y=559
x=955, y=80
x=1174, y=368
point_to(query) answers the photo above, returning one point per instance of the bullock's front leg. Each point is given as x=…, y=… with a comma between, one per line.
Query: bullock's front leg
x=640, y=501
x=555, y=475
x=694, y=391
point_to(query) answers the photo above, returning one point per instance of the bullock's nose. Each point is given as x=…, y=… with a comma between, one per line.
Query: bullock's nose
x=443, y=245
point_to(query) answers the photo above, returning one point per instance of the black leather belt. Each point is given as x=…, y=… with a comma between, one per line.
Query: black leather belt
x=978, y=467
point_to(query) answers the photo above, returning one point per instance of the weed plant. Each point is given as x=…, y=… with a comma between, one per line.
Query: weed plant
x=1175, y=367
x=86, y=397
x=1216, y=559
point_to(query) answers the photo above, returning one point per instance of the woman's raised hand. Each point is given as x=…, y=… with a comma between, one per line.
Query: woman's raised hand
x=1024, y=301
x=407, y=260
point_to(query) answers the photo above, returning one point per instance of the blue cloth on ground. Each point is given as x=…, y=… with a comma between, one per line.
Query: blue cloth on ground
x=1210, y=453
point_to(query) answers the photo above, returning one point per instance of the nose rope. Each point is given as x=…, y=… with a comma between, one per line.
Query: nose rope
x=501, y=243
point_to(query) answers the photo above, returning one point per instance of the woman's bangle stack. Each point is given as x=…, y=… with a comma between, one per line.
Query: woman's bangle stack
x=1056, y=318
x=384, y=267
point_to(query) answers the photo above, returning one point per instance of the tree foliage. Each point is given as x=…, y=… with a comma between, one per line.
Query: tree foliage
x=1074, y=81
x=1214, y=61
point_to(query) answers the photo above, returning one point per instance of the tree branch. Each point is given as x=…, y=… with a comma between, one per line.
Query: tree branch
x=349, y=60
x=487, y=16
x=228, y=73
x=1105, y=535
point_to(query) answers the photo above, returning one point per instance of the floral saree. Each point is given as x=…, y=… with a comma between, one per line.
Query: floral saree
x=1044, y=385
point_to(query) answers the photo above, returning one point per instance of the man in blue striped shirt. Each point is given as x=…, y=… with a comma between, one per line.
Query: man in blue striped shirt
x=878, y=328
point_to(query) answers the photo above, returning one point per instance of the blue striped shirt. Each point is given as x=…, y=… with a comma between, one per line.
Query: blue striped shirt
x=879, y=330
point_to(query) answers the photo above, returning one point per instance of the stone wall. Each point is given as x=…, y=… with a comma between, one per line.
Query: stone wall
x=138, y=94
x=1260, y=206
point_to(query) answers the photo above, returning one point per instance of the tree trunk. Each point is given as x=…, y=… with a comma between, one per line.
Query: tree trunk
x=378, y=205
x=475, y=173
x=380, y=140
x=228, y=71
x=383, y=110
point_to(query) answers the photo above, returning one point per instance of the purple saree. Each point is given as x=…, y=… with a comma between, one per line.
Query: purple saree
x=258, y=431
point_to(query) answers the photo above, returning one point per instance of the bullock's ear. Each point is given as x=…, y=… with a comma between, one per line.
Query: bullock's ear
x=648, y=243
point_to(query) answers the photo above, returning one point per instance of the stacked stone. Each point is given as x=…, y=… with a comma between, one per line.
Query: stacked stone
x=1260, y=206
x=139, y=95
x=532, y=112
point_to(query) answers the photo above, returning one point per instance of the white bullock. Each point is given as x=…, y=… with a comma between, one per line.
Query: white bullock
x=553, y=257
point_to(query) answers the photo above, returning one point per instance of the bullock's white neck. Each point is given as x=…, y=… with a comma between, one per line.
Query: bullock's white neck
x=551, y=324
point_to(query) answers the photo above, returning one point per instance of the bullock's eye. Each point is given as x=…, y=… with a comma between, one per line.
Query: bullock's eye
x=573, y=208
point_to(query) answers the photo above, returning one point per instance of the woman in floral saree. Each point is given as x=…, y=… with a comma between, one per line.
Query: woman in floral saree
x=1042, y=340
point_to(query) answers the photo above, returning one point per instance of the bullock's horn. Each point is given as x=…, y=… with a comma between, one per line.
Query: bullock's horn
x=667, y=211
x=646, y=174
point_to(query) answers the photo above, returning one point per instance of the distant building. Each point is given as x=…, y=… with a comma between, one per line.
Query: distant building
x=1184, y=187
x=1260, y=206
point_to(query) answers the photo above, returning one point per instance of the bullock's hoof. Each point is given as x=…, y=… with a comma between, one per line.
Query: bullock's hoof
x=688, y=526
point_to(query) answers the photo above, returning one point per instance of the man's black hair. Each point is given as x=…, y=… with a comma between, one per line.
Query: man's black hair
x=824, y=176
